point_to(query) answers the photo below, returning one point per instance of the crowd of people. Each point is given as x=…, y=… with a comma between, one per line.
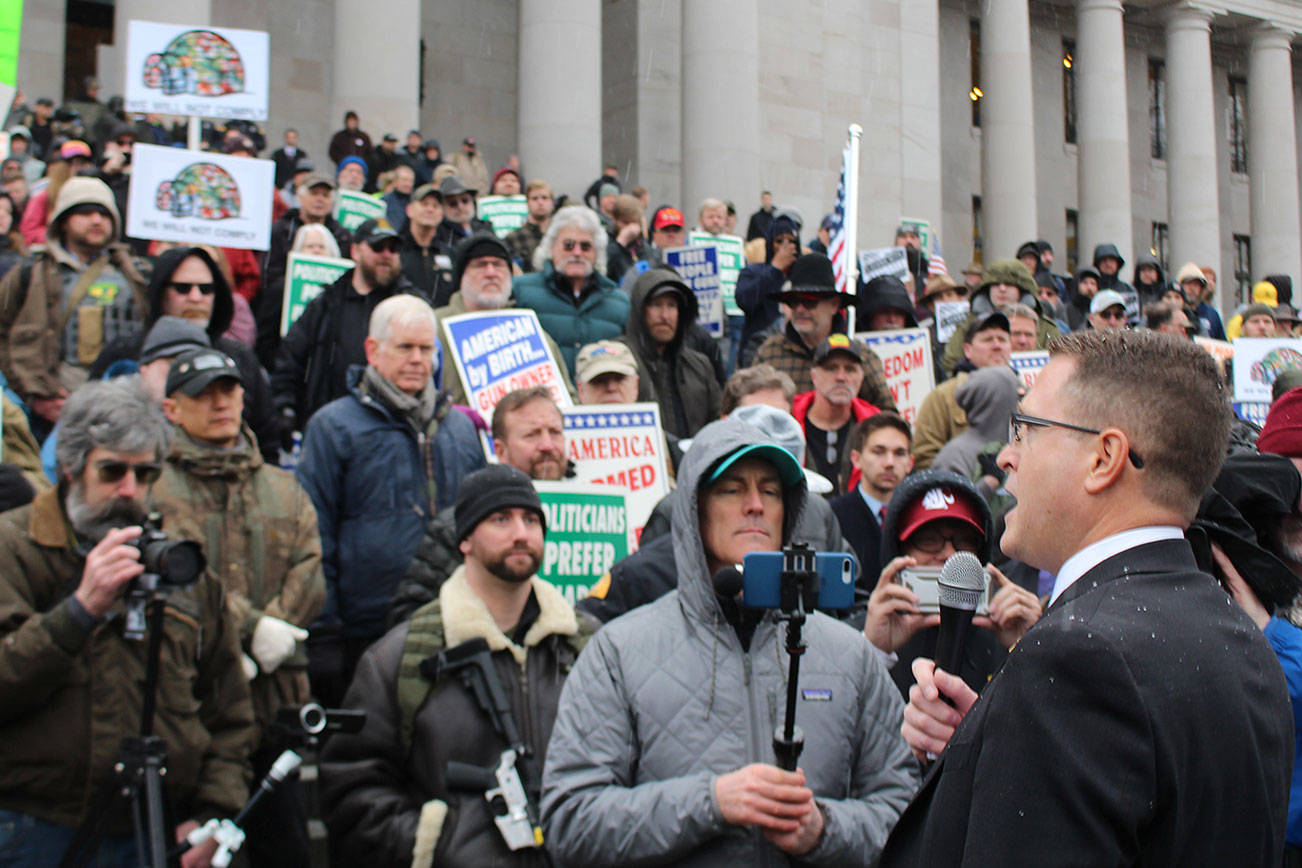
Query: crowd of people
x=1132, y=693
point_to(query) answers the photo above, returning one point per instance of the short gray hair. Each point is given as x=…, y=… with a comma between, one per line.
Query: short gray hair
x=116, y=414
x=401, y=308
x=1017, y=309
x=580, y=217
x=307, y=230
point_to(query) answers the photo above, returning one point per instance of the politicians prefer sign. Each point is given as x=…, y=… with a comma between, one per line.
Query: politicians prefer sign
x=1259, y=361
x=699, y=268
x=622, y=445
x=199, y=198
x=353, y=208
x=305, y=276
x=732, y=259
x=906, y=358
x=499, y=351
x=506, y=213
x=587, y=532
x=213, y=72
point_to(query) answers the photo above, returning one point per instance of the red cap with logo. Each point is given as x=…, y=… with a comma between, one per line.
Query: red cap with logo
x=668, y=217
x=938, y=502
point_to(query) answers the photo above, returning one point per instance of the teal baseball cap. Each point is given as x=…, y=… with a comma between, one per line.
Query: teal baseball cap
x=788, y=467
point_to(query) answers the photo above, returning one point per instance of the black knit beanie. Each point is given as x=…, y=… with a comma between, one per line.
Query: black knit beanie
x=484, y=492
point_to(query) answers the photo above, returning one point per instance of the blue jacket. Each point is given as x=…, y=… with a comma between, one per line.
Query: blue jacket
x=1286, y=641
x=362, y=467
x=600, y=313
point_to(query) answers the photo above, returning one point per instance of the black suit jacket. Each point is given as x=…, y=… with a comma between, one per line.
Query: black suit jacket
x=862, y=530
x=1143, y=721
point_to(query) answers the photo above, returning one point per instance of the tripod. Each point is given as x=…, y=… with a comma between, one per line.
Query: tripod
x=142, y=759
x=798, y=593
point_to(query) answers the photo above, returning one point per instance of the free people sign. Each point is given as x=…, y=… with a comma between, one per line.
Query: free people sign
x=699, y=268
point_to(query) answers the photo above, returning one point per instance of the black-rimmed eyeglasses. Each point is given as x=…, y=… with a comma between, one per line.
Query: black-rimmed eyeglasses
x=1019, y=420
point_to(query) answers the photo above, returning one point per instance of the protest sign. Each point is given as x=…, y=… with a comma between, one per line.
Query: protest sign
x=353, y=208
x=883, y=261
x=499, y=351
x=921, y=227
x=623, y=445
x=506, y=213
x=587, y=532
x=906, y=358
x=1258, y=361
x=305, y=276
x=11, y=25
x=699, y=268
x=213, y=72
x=1252, y=411
x=732, y=259
x=199, y=198
x=1028, y=365
x=949, y=316
x=1220, y=350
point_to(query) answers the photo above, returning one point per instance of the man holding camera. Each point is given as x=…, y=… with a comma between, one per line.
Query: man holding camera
x=262, y=545
x=388, y=791
x=71, y=683
x=662, y=751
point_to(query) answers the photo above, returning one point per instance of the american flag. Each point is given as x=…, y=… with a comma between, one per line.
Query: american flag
x=837, y=248
x=936, y=262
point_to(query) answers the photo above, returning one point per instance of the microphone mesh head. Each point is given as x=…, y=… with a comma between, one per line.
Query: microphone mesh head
x=962, y=582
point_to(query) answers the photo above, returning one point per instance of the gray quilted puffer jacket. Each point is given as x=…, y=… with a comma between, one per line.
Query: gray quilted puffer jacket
x=663, y=700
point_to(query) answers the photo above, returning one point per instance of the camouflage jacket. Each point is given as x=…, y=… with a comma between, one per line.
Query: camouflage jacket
x=259, y=533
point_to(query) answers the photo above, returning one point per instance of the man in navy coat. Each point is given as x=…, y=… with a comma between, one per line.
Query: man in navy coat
x=1143, y=720
x=881, y=454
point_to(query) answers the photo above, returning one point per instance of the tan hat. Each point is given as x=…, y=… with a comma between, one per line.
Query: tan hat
x=604, y=357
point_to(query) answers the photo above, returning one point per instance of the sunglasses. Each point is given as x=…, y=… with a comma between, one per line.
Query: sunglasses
x=187, y=288
x=1114, y=315
x=111, y=472
x=456, y=201
x=389, y=245
x=569, y=244
x=803, y=300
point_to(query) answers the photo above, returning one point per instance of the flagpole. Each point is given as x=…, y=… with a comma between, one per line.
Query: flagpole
x=852, y=222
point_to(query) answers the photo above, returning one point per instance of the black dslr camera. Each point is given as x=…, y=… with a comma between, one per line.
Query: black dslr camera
x=169, y=564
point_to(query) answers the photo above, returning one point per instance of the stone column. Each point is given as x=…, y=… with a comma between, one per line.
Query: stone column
x=560, y=93
x=1007, y=129
x=376, y=70
x=1192, y=196
x=920, y=164
x=1272, y=155
x=1102, y=130
x=720, y=103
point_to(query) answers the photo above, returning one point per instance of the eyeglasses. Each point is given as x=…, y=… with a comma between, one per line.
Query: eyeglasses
x=1018, y=420
x=569, y=244
x=187, y=288
x=931, y=541
x=111, y=472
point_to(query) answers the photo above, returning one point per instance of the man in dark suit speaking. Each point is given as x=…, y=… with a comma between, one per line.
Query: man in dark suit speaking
x=1143, y=720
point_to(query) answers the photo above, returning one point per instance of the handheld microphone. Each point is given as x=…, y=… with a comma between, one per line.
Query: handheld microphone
x=961, y=584
x=727, y=582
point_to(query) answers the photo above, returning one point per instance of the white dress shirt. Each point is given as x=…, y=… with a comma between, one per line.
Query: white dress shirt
x=1096, y=553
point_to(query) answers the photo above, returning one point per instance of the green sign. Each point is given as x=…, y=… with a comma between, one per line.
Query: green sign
x=506, y=213
x=587, y=532
x=732, y=259
x=305, y=276
x=352, y=208
x=11, y=25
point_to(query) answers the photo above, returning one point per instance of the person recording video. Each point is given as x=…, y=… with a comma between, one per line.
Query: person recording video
x=71, y=682
x=703, y=677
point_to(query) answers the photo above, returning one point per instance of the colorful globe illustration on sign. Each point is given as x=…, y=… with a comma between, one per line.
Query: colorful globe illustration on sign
x=203, y=190
x=1274, y=363
x=198, y=62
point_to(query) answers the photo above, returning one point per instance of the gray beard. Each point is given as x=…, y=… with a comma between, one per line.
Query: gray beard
x=94, y=522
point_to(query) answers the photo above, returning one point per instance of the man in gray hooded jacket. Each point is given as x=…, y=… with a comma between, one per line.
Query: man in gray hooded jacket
x=662, y=748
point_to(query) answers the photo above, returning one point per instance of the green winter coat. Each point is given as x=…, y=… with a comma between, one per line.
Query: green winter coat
x=599, y=313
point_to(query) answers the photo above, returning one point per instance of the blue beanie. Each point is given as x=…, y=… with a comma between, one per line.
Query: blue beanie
x=346, y=160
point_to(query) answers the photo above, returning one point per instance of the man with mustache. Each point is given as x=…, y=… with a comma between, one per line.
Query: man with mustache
x=833, y=408
x=384, y=790
x=71, y=683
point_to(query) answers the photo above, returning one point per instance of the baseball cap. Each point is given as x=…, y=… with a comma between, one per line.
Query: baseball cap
x=1105, y=299
x=604, y=357
x=788, y=467
x=941, y=501
x=317, y=179
x=666, y=217
x=836, y=343
x=994, y=319
x=390, y=137
x=783, y=429
x=171, y=336
x=373, y=231
x=74, y=148
x=194, y=370
x=426, y=190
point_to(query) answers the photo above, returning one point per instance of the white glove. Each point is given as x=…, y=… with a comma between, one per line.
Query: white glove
x=274, y=641
x=250, y=668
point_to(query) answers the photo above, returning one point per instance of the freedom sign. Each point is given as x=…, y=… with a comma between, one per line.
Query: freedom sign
x=352, y=208
x=305, y=276
x=587, y=532
x=699, y=268
x=1259, y=361
x=621, y=445
x=506, y=213
x=732, y=259
x=906, y=357
x=499, y=351
x=1028, y=365
x=199, y=198
x=212, y=72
